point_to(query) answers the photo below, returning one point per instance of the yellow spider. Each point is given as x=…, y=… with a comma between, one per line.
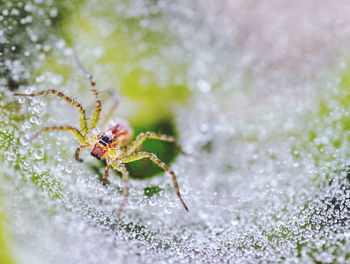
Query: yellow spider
x=112, y=145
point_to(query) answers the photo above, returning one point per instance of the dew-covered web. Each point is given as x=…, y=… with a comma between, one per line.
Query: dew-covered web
x=265, y=177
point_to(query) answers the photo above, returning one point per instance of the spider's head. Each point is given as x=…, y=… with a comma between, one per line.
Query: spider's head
x=105, y=140
x=101, y=147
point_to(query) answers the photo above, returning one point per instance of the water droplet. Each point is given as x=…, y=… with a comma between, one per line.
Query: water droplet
x=184, y=190
x=203, y=86
x=152, y=202
x=95, y=131
x=53, y=12
x=24, y=140
x=5, y=12
x=38, y=154
x=28, y=7
x=10, y=157
x=56, y=79
x=69, y=168
x=33, y=119
x=15, y=12
x=60, y=44
x=40, y=78
x=167, y=210
x=21, y=99
x=27, y=124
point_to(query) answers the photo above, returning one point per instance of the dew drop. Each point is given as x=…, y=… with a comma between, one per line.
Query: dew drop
x=57, y=79
x=60, y=44
x=21, y=99
x=152, y=202
x=10, y=156
x=53, y=12
x=27, y=124
x=33, y=119
x=95, y=131
x=24, y=140
x=167, y=210
x=68, y=168
x=203, y=86
x=28, y=7
x=5, y=12
x=38, y=154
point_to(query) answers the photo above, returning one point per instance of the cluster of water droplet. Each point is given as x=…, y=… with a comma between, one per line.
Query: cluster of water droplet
x=264, y=180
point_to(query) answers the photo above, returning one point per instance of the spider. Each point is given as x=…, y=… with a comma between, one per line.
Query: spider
x=113, y=145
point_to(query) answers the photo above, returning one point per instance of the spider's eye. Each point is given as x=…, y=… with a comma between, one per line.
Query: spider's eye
x=105, y=140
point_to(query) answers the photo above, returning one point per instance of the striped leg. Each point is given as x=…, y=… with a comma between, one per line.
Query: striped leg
x=125, y=175
x=83, y=123
x=161, y=164
x=143, y=136
x=77, y=151
x=105, y=177
x=97, y=111
x=98, y=107
x=73, y=130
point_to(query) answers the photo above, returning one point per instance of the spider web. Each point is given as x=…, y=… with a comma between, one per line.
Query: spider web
x=266, y=129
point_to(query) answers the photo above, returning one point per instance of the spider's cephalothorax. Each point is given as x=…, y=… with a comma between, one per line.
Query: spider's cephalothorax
x=113, y=145
x=101, y=147
x=117, y=135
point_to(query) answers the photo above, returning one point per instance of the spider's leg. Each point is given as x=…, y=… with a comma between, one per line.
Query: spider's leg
x=98, y=108
x=159, y=163
x=73, y=130
x=83, y=123
x=143, y=136
x=105, y=177
x=97, y=111
x=125, y=175
x=77, y=151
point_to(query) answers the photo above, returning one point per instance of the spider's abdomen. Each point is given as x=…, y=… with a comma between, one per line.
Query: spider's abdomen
x=121, y=131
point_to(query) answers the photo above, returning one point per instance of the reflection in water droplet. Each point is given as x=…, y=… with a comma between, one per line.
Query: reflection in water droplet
x=24, y=140
x=39, y=121
x=10, y=157
x=38, y=154
x=21, y=99
x=95, y=131
x=27, y=124
x=152, y=202
x=33, y=119
x=69, y=168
